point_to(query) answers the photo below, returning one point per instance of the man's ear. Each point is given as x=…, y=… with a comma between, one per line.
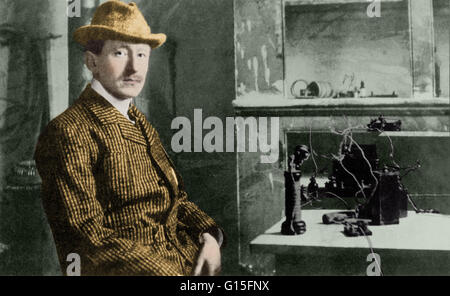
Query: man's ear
x=90, y=59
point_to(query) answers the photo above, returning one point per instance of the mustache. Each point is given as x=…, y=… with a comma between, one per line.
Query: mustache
x=133, y=78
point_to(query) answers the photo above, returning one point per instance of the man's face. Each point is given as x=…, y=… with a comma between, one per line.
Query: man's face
x=121, y=67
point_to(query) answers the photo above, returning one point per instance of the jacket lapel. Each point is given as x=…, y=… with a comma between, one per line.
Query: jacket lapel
x=131, y=132
x=156, y=149
x=108, y=114
x=98, y=106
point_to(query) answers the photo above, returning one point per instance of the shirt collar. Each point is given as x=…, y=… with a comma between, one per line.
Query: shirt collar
x=121, y=105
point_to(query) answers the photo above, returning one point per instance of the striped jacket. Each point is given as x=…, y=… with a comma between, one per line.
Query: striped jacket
x=112, y=195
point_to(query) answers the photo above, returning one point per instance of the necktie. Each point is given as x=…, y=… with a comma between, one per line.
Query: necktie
x=133, y=114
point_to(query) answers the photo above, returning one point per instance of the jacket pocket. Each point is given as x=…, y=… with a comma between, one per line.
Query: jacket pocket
x=117, y=178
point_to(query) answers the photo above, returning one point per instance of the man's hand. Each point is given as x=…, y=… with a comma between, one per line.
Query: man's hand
x=208, y=261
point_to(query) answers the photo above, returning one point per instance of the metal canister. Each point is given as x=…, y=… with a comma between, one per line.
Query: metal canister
x=320, y=89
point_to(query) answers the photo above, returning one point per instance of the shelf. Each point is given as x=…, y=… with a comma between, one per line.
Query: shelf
x=429, y=134
x=331, y=2
x=274, y=105
x=267, y=100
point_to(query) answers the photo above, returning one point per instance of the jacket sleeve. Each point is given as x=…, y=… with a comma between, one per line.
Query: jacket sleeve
x=190, y=216
x=65, y=163
x=198, y=221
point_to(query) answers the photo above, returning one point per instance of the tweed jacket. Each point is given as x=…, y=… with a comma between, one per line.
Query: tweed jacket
x=113, y=196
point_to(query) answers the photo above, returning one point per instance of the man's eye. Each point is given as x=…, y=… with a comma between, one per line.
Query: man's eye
x=142, y=55
x=119, y=53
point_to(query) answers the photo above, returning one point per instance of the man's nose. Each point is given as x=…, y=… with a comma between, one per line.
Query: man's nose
x=131, y=65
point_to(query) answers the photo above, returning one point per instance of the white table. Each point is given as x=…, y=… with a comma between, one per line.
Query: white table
x=420, y=244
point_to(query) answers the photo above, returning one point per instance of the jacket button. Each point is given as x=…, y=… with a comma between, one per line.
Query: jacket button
x=169, y=247
x=161, y=182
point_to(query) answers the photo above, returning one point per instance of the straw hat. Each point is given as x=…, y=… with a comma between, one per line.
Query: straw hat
x=115, y=20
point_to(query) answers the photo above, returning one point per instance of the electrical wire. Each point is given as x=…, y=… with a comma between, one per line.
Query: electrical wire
x=370, y=166
x=369, y=242
x=341, y=157
x=307, y=203
x=371, y=250
x=391, y=155
x=347, y=135
x=339, y=198
x=311, y=148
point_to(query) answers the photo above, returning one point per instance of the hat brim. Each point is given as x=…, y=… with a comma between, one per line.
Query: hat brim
x=97, y=32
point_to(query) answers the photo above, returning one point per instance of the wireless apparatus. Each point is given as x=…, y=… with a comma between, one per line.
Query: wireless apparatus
x=294, y=225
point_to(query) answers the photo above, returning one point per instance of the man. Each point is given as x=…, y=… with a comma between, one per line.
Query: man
x=109, y=189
